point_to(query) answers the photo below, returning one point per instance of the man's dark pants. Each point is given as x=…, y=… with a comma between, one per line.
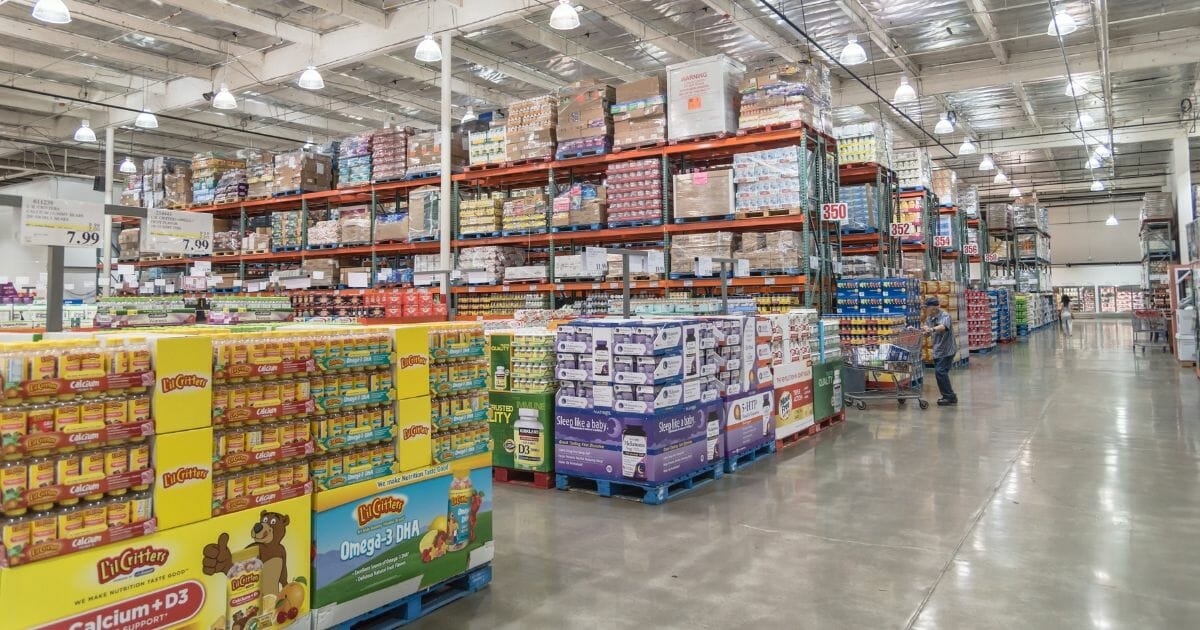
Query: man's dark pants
x=942, y=370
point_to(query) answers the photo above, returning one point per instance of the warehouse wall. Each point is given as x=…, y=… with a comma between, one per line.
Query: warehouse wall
x=30, y=262
x=1087, y=275
x=1078, y=234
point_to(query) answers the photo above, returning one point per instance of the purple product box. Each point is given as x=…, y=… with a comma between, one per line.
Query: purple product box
x=574, y=338
x=637, y=449
x=573, y=367
x=652, y=370
x=572, y=395
x=639, y=337
x=749, y=422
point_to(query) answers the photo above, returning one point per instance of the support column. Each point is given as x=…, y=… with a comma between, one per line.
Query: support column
x=1181, y=186
x=104, y=287
x=444, y=199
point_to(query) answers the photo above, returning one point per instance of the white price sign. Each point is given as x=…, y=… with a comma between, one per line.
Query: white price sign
x=595, y=261
x=655, y=262
x=835, y=212
x=971, y=249
x=742, y=268
x=943, y=241
x=991, y=258
x=904, y=229
x=704, y=266
x=61, y=222
x=177, y=232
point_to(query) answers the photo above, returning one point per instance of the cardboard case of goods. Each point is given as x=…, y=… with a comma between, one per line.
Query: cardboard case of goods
x=704, y=194
x=702, y=97
x=303, y=171
x=583, y=110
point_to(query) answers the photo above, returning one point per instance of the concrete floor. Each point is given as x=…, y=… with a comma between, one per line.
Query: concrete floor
x=1063, y=492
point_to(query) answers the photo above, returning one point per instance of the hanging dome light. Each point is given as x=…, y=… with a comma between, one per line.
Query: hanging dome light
x=564, y=17
x=127, y=166
x=904, y=92
x=1093, y=163
x=470, y=116
x=1014, y=192
x=224, y=99
x=84, y=133
x=1000, y=178
x=1061, y=25
x=146, y=120
x=311, y=79
x=428, y=50
x=943, y=125
x=1097, y=186
x=51, y=12
x=967, y=148
x=1085, y=120
x=986, y=164
x=1102, y=151
x=853, y=54
x=1112, y=220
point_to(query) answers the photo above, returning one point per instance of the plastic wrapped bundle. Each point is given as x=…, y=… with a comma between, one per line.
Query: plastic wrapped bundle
x=635, y=191
x=998, y=216
x=702, y=97
x=1157, y=205
x=769, y=182
x=355, y=146
x=286, y=230
x=425, y=153
x=492, y=260
x=865, y=142
x=354, y=171
x=913, y=168
x=354, y=224
x=640, y=113
x=166, y=182
x=584, y=122
x=231, y=187
x=785, y=94
x=530, y=128
x=526, y=210
x=968, y=200
x=945, y=186
x=488, y=147
x=860, y=267
x=685, y=248
x=581, y=203
x=480, y=216
x=704, y=194
x=389, y=153
x=424, y=210
x=1024, y=216
x=207, y=169
x=863, y=206
x=302, y=171
x=780, y=251
x=260, y=172
x=391, y=226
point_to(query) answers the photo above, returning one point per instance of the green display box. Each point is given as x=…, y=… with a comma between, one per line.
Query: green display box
x=522, y=429
x=827, y=388
x=500, y=357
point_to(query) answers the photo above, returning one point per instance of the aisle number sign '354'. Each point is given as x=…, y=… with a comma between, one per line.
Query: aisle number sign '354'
x=61, y=222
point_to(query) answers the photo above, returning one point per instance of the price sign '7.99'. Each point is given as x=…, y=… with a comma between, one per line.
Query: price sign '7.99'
x=61, y=222
x=176, y=232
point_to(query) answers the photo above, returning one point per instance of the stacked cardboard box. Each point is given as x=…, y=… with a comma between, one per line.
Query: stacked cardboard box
x=580, y=204
x=425, y=153
x=769, y=182
x=702, y=194
x=526, y=210
x=702, y=97
x=129, y=243
x=424, y=210
x=354, y=160
x=260, y=173
x=207, y=169
x=787, y=94
x=166, y=182
x=862, y=204
x=865, y=142
x=635, y=191
x=231, y=187
x=685, y=248
x=945, y=186
x=323, y=273
x=389, y=153
x=640, y=113
x=913, y=168
x=286, y=229
x=488, y=147
x=781, y=251
x=530, y=132
x=302, y=171
x=227, y=236
x=481, y=215
x=131, y=195
x=392, y=224
x=584, y=122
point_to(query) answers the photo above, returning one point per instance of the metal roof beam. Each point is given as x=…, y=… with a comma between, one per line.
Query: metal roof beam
x=1145, y=130
x=239, y=16
x=984, y=20
x=890, y=47
x=423, y=74
x=360, y=13
x=569, y=48
x=756, y=26
x=107, y=50
x=642, y=31
x=492, y=61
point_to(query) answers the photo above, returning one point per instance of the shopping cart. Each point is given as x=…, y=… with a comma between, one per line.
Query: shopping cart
x=892, y=370
x=1151, y=329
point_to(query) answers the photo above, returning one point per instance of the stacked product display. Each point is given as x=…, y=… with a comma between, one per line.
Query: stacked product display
x=487, y=147
x=389, y=153
x=302, y=171
x=635, y=192
x=980, y=331
x=770, y=183
x=260, y=172
x=521, y=392
x=913, y=168
x=207, y=172
x=585, y=125
x=530, y=129
x=1003, y=323
x=640, y=113
x=526, y=211
x=702, y=97
x=869, y=142
x=126, y=312
x=786, y=95
x=354, y=161
x=912, y=211
x=166, y=182
x=706, y=194
x=480, y=216
x=863, y=202
x=945, y=186
x=424, y=154
x=968, y=200
x=872, y=311
x=580, y=204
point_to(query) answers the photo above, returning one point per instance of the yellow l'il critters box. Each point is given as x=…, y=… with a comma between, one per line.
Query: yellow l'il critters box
x=414, y=443
x=178, y=578
x=183, y=383
x=183, y=484
x=411, y=366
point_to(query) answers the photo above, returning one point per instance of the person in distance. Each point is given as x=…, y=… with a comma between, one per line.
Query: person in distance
x=939, y=326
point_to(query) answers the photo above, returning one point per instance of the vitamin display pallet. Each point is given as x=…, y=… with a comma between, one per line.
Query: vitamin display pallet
x=732, y=464
x=810, y=430
x=723, y=217
x=420, y=604
x=530, y=478
x=651, y=494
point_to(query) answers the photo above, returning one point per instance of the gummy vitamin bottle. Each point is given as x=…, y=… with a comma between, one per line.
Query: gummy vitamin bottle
x=462, y=495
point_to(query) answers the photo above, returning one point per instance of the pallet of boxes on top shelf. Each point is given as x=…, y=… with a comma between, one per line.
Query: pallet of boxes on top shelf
x=786, y=96
x=526, y=211
x=487, y=148
x=639, y=114
x=773, y=182
x=530, y=130
x=260, y=173
x=389, y=153
x=208, y=169
x=302, y=171
x=635, y=192
x=703, y=98
x=861, y=143
x=585, y=124
x=914, y=169
x=354, y=160
x=424, y=159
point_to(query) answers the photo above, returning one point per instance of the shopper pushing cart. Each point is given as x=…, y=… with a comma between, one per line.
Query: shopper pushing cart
x=941, y=328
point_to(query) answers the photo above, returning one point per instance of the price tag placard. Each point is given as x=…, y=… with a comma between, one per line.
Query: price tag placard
x=704, y=266
x=971, y=249
x=655, y=261
x=595, y=261
x=61, y=222
x=835, y=212
x=943, y=241
x=742, y=268
x=177, y=232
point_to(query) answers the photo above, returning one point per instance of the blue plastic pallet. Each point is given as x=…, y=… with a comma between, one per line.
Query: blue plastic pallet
x=474, y=235
x=725, y=217
x=732, y=464
x=652, y=494
x=982, y=351
x=524, y=231
x=571, y=155
x=854, y=230
x=643, y=223
x=420, y=604
x=787, y=271
x=424, y=175
x=325, y=246
x=286, y=248
x=577, y=228
x=422, y=239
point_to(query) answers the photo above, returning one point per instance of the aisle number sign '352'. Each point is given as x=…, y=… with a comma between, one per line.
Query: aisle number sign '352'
x=177, y=232
x=61, y=222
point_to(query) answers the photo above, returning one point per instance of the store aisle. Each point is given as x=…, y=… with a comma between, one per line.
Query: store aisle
x=1061, y=493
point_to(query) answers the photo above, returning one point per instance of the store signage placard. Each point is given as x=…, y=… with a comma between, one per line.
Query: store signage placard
x=704, y=266
x=742, y=268
x=61, y=222
x=655, y=261
x=991, y=258
x=835, y=212
x=595, y=261
x=177, y=232
x=942, y=240
x=905, y=229
x=971, y=249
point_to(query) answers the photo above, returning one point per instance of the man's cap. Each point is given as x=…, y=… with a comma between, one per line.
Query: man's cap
x=932, y=301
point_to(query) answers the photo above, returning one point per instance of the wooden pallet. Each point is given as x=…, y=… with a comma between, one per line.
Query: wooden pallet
x=759, y=214
x=810, y=430
x=795, y=124
x=530, y=478
x=640, y=145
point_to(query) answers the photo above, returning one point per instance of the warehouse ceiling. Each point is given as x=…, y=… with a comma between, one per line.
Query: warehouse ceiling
x=1134, y=64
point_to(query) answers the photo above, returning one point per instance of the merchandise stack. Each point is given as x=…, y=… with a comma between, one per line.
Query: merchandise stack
x=166, y=183
x=505, y=304
x=354, y=224
x=585, y=126
x=945, y=186
x=968, y=200
x=424, y=212
x=860, y=266
x=391, y=224
x=489, y=263
x=389, y=153
x=302, y=171
x=686, y=248
x=488, y=147
x=703, y=194
x=424, y=154
x=779, y=252
x=1001, y=304
x=526, y=211
x=480, y=216
x=287, y=231
x=354, y=161
x=458, y=380
x=791, y=368
x=260, y=172
x=530, y=129
x=703, y=98
x=786, y=95
x=873, y=310
x=232, y=186
x=863, y=207
x=635, y=192
x=999, y=216
x=580, y=204
x=207, y=170
x=129, y=244
x=912, y=210
x=952, y=297
x=521, y=393
x=913, y=168
x=1027, y=315
x=1157, y=206
x=769, y=183
x=742, y=360
x=131, y=195
x=640, y=113
x=980, y=332
x=869, y=142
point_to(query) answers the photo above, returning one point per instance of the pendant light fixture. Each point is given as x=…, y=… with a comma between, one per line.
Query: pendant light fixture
x=84, y=133
x=127, y=166
x=470, y=116
x=311, y=79
x=904, y=92
x=1102, y=151
x=1014, y=192
x=967, y=148
x=1061, y=25
x=1112, y=220
x=853, y=54
x=943, y=126
x=1085, y=120
x=1093, y=163
x=224, y=99
x=986, y=164
x=1000, y=178
x=1097, y=186
x=428, y=50
x=146, y=120
x=564, y=17
x=51, y=12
